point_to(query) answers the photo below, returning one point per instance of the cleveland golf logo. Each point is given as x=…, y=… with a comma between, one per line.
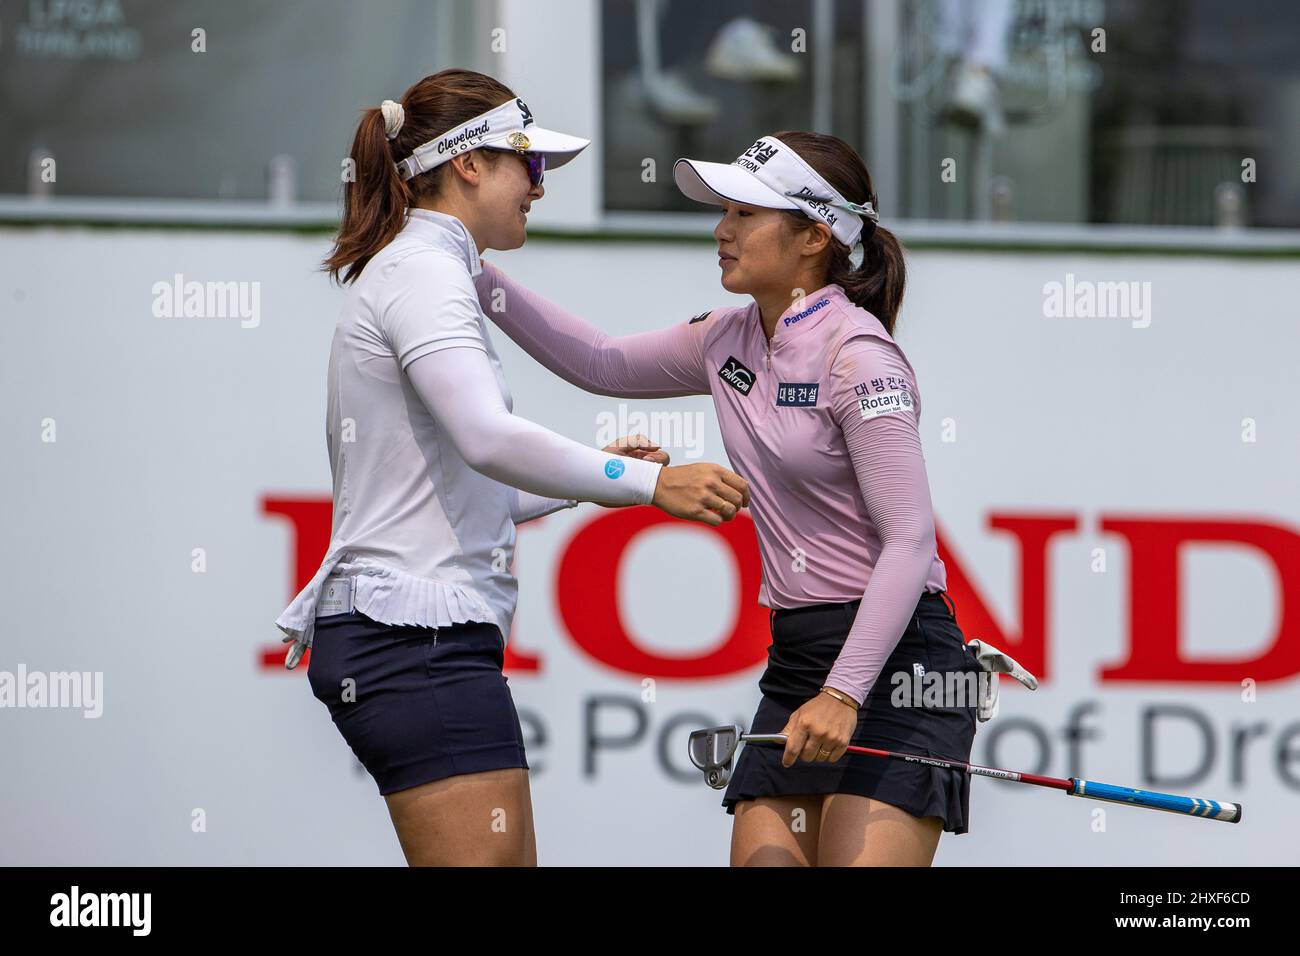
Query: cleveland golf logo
x=102, y=909
x=736, y=375
x=459, y=142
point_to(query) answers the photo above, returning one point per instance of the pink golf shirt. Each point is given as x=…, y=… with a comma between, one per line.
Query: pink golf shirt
x=822, y=421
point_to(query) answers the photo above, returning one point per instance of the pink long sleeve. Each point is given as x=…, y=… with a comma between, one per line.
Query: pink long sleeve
x=885, y=448
x=661, y=364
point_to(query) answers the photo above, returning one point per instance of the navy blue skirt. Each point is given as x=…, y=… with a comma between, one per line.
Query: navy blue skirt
x=805, y=644
x=416, y=704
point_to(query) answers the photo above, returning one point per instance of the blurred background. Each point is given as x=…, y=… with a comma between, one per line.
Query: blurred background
x=1101, y=203
x=1132, y=112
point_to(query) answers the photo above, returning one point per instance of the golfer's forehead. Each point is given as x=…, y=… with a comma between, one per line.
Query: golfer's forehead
x=729, y=206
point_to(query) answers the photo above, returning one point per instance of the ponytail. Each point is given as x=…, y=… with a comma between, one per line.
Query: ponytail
x=374, y=201
x=877, y=283
x=375, y=197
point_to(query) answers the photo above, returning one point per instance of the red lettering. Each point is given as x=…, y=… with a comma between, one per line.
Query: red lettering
x=587, y=590
x=977, y=622
x=1154, y=548
x=587, y=595
x=310, y=520
x=519, y=661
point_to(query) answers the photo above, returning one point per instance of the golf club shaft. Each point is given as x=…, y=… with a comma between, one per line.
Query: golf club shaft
x=940, y=762
x=1075, y=787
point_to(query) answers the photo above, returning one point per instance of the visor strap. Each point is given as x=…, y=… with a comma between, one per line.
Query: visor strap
x=839, y=202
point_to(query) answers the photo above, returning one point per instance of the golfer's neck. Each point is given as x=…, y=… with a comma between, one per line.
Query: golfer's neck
x=451, y=206
x=775, y=303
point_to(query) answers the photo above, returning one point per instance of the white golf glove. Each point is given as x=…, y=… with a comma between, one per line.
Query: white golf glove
x=995, y=662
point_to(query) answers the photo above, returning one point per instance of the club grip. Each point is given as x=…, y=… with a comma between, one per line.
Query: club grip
x=1191, y=806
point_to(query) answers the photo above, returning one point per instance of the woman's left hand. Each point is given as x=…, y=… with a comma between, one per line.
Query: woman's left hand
x=819, y=731
x=637, y=446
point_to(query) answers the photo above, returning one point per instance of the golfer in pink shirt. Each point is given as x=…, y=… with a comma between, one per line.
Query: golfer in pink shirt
x=819, y=410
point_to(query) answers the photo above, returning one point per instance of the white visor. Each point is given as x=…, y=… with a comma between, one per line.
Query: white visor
x=508, y=126
x=772, y=175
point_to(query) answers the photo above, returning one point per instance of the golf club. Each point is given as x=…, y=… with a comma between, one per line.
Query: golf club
x=713, y=751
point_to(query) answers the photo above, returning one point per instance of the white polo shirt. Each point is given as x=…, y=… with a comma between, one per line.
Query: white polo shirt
x=421, y=537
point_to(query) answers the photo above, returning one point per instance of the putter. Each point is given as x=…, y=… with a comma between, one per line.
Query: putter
x=713, y=751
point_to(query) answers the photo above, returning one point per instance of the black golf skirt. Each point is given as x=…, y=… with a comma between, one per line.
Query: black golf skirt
x=422, y=703
x=805, y=643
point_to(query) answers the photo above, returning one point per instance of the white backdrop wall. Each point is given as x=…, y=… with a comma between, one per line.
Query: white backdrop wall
x=148, y=459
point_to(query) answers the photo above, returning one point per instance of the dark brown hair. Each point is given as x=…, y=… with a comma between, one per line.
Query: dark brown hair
x=374, y=204
x=877, y=284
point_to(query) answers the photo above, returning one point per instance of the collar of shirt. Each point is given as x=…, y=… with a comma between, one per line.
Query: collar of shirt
x=805, y=313
x=445, y=232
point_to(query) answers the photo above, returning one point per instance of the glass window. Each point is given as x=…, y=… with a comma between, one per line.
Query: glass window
x=1151, y=112
x=130, y=102
x=683, y=78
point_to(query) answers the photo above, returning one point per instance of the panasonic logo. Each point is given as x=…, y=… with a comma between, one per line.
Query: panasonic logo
x=791, y=320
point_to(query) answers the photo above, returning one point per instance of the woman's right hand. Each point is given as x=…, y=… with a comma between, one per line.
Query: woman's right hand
x=701, y=492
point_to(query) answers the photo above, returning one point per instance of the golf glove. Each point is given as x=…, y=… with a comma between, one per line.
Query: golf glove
x=995, y=662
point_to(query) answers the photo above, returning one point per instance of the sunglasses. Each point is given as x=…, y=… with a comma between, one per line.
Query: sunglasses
x=536, y=163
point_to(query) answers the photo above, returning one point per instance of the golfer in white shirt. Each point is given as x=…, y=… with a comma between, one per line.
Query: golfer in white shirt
x=407, y=615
